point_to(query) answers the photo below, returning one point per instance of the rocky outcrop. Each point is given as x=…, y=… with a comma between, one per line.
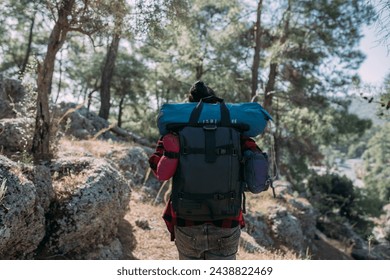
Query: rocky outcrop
x=379, y=243
x=257, y=226
x=249, y=243
x=16, y=116
x=78, y=122
x=71, y=209
x=22, y=215
x=291, y=225
x=16, y=134
x=381, y=232
x=92, y=198
x=15, y=101
x=132, y=162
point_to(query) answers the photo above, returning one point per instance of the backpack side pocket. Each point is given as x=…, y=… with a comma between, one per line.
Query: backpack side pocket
x=255, y=171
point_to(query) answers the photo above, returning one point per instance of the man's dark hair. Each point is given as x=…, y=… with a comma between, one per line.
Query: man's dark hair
x=199, y=91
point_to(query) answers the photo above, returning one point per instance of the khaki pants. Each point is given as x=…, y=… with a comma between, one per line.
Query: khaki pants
x=207, y=242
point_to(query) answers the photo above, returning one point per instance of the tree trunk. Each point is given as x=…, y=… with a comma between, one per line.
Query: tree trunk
x=28, y=51
x=41, y=141
x=89, y=98
x=60, y=79
x=268, y=106
x=199, y=71
x=277, y=137
x=107, y=74
x=270, y=87
x=132, y=136
x=256, y=56
x=121, y=110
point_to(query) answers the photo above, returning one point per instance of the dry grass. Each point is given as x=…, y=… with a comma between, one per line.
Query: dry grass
x=269, y=255
x=259, y=202
x=66, y=183
x=70, y=111
x=97, y=148
x=103, y=131
x=153, y=243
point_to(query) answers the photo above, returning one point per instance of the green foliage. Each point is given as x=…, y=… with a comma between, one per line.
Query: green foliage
x=166, y=45
x=384, y=110
x=305, y=133
x=199, y=50
x=332, y=195
x=337, y=199
x=16, y=19
x=377, y=165
x=315, y=47
x=383, y=21
x=356, y=149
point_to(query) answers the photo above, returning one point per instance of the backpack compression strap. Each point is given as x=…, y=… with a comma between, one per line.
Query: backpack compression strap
x=209, y=129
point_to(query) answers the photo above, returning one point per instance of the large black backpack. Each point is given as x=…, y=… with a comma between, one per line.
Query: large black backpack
x=207, y=184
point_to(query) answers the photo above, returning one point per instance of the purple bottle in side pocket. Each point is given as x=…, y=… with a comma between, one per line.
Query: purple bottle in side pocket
x=256, y=171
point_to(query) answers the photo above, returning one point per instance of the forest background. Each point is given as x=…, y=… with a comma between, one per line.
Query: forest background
x=299, y=59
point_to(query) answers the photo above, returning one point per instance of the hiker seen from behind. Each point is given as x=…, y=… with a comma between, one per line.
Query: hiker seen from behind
x=207, y=149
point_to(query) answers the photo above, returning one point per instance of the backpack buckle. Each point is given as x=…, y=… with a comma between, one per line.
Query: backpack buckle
x=210, y=127
x=219, y=196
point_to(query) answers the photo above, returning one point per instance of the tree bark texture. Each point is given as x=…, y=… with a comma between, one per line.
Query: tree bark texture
x=120, y=113
x=199, y=70
x=41, y=141
x=257, y=49
x=28, y=51
x=270, y=87
x=107, y=74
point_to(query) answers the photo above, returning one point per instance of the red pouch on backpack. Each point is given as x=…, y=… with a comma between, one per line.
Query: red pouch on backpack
x=167, y=165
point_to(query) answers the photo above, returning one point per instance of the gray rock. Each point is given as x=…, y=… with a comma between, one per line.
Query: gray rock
x=76, y=121
x=381, y=231
x=287, y=228
x=307, y=216
x=132, y=162
x=16, y=134
x=91, y=199
x=343, y=232
x=14, y=100
x=17, y=116
x=257, y=227
x=378, y=252
x=40, y=176
x=112, y=251
x=282, y=188
x=73, y=212
x=249, y=244
x=22, y=217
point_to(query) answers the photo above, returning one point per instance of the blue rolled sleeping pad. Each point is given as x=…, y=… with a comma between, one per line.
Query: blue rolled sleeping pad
x=251, y=115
